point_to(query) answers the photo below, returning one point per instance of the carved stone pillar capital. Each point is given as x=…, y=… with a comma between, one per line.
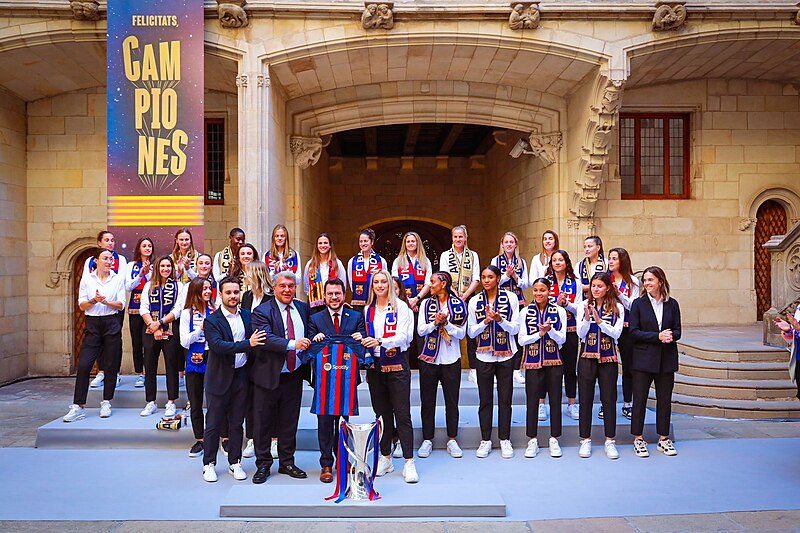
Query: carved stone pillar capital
x=546, y=146
x=241, y=80
x=524, y=16
x=669, y=16
x=231, y=13
x=378, y=15
x=85, y=9
x=306, y=150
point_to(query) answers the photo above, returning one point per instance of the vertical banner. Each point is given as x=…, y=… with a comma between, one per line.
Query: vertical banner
x=155, y=122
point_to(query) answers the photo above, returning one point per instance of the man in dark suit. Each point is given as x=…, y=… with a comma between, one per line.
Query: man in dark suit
x=277, y=376
x=230, y=338
x=338, y=320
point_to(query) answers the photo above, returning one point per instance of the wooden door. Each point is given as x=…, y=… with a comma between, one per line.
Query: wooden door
x=770, y=220
x=78, y=318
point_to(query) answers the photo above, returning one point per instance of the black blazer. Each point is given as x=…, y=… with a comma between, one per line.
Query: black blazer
x=222, y=350
x=269, y=359
x=350, y=321
x=649, y=353
x=247, y=300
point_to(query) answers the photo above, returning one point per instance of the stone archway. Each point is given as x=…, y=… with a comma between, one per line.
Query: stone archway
x=771, y=220
x=389, y=234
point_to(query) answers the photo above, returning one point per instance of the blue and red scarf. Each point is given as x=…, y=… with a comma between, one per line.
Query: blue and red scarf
x=279, y=264
x=413, y=277
x=511, y=285
x=135, y=302
x=494, y=340
x=390, y=360
x=162, y=300
x=457, y=316
x=316, y=287
x=598, y=345
x=570, y=288
x=545, y=351
x=361, y=274
x=625, y=289
x=196, y=355
x=115, y=267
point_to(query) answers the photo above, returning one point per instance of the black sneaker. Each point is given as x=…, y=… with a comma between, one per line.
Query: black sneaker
x=225, y=447
x=197, y=449
x=600, y=413
x=626, y=411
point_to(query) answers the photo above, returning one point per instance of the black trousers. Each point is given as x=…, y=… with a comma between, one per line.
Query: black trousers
x=430, y=376
x=277, y=409
x=538, y=383
x=328, y=437
x=173, y=359
x=194, y=391
x=390, y=393
x=101, y=365
x=625, y=344
x=102, y=336
x=569, y=356
x=472, y=350
x=664, y=382
x=228, y=407
x=591, y=371
x=137, y=328
x=248, y=417
x=486, y=373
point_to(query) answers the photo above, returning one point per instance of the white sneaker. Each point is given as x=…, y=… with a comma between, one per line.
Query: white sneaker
x=170, y=409
x=586, y=448
x=506, y=449
x=425, y=449
x=209, y=473
x=611, y=449
x=454, y=449
x=237, y=472
x=666, y=447
x=532, y=449
x=410, y=472
x=555, y=448
x=519, y=377
x=385, y=466
x=149, y=409
x=273, y=448
x=640, y=448
x=473, y=376
x=484, y=449
x=574, y=411
x=249, y=450
x=398, y=451
x=139, y=382
x=75, y=413
x=98, y=380
x=105, y=409
x=542, y=412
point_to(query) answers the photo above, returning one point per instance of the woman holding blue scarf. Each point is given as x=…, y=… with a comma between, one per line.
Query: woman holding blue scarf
x=361, y=267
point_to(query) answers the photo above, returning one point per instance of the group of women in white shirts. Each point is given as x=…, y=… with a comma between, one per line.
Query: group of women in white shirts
x=576, y=329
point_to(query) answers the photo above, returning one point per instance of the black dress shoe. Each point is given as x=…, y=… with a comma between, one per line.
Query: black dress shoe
x=261, y=475
x=293, y=471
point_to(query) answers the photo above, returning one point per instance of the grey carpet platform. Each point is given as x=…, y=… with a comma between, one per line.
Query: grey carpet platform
x=398, y=500
x=126, y=429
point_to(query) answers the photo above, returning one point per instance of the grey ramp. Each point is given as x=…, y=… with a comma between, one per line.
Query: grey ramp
x=398, y=500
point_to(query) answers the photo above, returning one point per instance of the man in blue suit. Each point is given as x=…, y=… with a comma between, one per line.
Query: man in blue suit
x=336, y=320
x=230, y=339
x=277, y=376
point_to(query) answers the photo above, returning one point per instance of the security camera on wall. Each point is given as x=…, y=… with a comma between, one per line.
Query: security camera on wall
x=522, y=147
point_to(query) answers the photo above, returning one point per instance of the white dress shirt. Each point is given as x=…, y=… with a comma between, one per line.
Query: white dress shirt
x=537, y=269
x=198, y=334
x=237, y=328
x=297, y=322
x=658, y=308
x=113, y=288
x=475, y=328
x=404, y=332
x=447, y=353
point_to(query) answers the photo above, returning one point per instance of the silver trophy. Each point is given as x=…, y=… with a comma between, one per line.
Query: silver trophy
x=359, y=446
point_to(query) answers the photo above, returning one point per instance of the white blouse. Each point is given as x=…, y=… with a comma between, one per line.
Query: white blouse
x=475, y=328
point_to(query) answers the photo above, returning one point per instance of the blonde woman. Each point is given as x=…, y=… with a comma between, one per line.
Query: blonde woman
x=281, y=256
x=323, y=265
x=184, y=256
x=259, y=281
x=413, y=268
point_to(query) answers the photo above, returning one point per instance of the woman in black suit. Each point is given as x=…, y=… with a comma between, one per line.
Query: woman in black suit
x=655, y=328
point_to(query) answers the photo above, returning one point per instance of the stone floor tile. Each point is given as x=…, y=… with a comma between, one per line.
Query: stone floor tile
x=23, y=526
x=675, y=523
x=299, y=527
x=181, y=527
x=399, y=527
x=767, y=519
x=482, y=527
x=593, y=525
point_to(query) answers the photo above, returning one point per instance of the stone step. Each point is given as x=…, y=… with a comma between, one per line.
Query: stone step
x=735, y=389
x=733, y=408
x=766, y=354
x=126, y=429
x=704, y=368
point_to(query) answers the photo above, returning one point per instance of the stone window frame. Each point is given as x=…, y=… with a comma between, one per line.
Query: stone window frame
x=214, y=120
x=666, y=116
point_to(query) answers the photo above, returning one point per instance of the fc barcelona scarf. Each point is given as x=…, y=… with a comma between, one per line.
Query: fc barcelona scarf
x=390, y=360
x=598, y=345
x=279, y=264
x=570, y=288
x=586, y=272
x=195, y=357
x=461, y=271
x=494, y=339
x=513, y=286
x=362, y=276
x=162, y=300
x=316, y=288
x=543, y=352
x=336, y=361
x=413, y=277
x=225, y=260
x=136, y=294
x=115, y=266
x=457, y=315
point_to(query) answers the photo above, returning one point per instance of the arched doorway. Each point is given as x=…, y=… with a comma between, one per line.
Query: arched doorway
x=770, y=220
x=78, y=316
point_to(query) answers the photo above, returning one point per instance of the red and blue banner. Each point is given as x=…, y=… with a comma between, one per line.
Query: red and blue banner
x=155, y=121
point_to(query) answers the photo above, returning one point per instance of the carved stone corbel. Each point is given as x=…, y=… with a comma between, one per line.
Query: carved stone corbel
x=669, y=16
x=56, y=278
x=378, y=15
x=307, y=150
x=85, y=9
x=524, y=16
x=797, y=18
x=241, y=80
x=546, y=146
x=231, y=13
x=746, y=223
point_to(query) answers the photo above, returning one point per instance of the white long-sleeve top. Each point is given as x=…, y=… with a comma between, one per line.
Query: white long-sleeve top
x=626, y=300
x=475, y=327
x=131, y=281
x=559, y=335
x=190, y=337
x=612, y=331
x=113, y=288
x=447, y=353
x=404, y=332
x=523, y=282
x=537, y=269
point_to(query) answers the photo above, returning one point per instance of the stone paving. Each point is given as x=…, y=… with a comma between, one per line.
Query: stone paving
x=28, y=404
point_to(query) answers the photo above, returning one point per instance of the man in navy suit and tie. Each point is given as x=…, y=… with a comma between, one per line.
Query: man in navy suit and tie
x=277, y=376
x=230, y=338
x=337, y=320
